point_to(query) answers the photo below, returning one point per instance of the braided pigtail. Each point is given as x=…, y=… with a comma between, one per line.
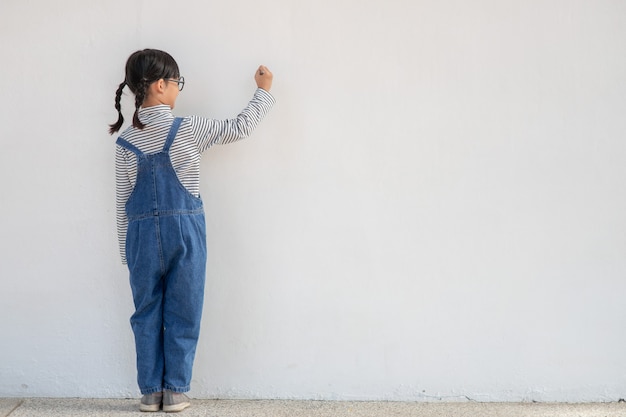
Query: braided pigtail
x=120, y=119
x=140, y=96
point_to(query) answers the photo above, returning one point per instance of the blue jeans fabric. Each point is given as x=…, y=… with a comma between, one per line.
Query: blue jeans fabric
x=166, y=256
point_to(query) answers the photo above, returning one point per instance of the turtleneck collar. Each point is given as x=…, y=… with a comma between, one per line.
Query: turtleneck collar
x=149, y=114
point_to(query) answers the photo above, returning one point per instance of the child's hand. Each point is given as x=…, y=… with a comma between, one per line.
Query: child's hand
x=263, y=78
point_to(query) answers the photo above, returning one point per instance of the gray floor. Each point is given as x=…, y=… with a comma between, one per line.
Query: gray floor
x=36, y=407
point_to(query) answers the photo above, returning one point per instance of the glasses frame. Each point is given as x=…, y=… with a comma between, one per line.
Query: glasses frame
x=180, y=82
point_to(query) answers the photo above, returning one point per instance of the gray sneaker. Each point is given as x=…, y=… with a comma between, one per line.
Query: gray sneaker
x=174, y=402
x=151, y=402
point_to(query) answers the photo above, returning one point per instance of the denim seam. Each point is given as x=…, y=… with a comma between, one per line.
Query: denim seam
x=176, y=389
x=147, y=391
x=165, y=213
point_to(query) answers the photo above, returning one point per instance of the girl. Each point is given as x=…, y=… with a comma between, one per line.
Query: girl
x=160, y=218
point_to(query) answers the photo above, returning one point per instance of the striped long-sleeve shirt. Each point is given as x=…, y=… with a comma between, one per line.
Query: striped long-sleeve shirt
x=195, y=135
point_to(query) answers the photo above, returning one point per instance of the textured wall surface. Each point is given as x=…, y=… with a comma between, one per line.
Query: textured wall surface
x=433, y=210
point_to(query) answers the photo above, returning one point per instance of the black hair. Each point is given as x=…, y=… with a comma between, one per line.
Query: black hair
x=142, y=69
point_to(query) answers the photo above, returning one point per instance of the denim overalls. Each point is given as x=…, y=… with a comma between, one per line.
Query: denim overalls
x=166, y=256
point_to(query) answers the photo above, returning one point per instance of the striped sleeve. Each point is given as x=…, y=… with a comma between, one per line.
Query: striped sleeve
x=209, y=132
x=123, y=188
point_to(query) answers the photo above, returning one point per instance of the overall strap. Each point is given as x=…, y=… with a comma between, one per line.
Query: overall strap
x=172, y=134
x=125, y=144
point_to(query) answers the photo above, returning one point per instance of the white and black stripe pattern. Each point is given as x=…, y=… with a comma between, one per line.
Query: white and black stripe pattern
x=195, y=135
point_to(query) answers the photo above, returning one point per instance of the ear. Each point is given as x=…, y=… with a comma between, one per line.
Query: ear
x=157, y=87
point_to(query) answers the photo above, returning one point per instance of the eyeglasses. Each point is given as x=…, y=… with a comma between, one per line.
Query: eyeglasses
x=180, y=82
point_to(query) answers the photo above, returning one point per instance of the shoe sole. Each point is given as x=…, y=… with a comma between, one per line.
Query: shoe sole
x=175, y=408
x=149, y=408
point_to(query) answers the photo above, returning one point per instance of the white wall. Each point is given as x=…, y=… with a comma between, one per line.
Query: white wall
x=434, y=209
